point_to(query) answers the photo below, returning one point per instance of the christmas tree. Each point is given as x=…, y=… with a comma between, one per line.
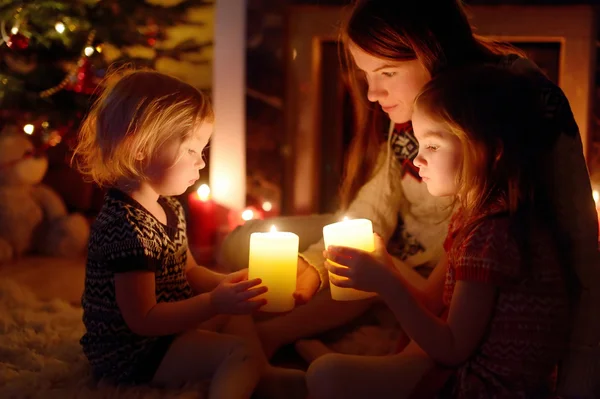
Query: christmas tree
x=54, y=54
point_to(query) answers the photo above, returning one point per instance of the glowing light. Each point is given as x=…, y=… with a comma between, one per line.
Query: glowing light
x=88, y=51
x=28, y=128
x=596, y=196
x=248, y=214
x=346, y=218
x=203, y=192
x=45, y=125
x=60, y=27
x=267, y=206
x=273, y=229
x=14, y=30
x=221, y=188
x=99, y=49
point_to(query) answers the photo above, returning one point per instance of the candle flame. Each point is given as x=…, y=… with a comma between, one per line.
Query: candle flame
x=596, y=196
x=203, y=192
x=346, y=218
x=273, y=229
x=267, y=206
x=29, y=128
x=248, y=214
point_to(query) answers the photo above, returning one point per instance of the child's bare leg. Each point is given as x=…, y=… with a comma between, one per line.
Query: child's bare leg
x=335, y=376
x=311, y=349
x=320, y=314
x=201, y=355
x=276, y=382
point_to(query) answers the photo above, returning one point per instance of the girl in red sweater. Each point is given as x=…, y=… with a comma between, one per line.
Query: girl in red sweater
x=495, y=316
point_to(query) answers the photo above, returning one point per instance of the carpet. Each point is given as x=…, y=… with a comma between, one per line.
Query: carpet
x=40, y=355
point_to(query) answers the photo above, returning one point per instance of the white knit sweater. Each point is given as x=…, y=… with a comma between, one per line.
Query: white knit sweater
x=382, y=199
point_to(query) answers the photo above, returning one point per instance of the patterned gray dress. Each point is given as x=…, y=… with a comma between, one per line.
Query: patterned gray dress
x=126, y=237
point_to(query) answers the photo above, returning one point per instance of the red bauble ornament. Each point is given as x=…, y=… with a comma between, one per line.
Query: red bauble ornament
x=17, y=42
x=152, y=31
x=84, y=80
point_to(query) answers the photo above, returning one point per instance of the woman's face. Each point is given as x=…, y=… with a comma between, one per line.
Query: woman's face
x=392, y=84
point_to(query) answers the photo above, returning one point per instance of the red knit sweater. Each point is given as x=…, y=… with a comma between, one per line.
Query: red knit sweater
x=529, y=327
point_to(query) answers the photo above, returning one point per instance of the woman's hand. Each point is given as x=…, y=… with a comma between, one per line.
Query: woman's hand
x=365, y=271
x=307, y=283
x=233, y=294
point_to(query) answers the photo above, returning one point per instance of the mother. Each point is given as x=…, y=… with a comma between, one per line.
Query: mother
x=395, y=47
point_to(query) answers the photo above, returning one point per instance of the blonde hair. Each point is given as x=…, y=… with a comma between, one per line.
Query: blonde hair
x=138, y=112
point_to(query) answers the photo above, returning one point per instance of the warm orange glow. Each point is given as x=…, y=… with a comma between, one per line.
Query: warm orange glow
x=248, y=214
x=203, y=192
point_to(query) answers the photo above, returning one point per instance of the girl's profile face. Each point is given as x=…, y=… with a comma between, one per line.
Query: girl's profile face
x=440, y=155
x=177, y=166
x=394, y=85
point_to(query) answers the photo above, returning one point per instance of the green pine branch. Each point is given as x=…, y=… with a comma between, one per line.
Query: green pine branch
x=49, y=55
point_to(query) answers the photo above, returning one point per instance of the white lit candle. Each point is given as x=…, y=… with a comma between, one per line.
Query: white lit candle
x=274, y=259
x=355, y=233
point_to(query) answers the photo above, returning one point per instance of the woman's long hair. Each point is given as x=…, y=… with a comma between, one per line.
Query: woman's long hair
x=436, y=32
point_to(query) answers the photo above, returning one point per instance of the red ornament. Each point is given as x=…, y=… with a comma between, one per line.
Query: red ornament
x=17, y=42
x=152, y=32
x=84, y=80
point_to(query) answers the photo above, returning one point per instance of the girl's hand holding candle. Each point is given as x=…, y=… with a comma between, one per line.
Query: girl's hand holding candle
x=360, y=270
x=356, y=234
x=274, y=259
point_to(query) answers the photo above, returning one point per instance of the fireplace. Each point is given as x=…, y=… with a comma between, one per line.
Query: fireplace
x=319, y=109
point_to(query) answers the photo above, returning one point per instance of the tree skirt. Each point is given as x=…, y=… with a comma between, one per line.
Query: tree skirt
x=40, y=355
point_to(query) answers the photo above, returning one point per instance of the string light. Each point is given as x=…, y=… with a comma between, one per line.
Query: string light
x=72, y=72
x=267, y=206
x=88, y=51
x=60, y=27
x=28, y=128
x=248, y=214
x=203, y=192
x=14, y=30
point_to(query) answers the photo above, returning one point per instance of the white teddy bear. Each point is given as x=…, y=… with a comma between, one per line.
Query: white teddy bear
x=33, y=217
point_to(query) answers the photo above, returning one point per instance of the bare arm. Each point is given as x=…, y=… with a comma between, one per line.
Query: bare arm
x=448, y=342
x=433, y=288
x=200, y=278
x=136, y=298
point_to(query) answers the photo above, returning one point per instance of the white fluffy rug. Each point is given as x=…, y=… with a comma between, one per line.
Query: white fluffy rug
x=40, y=355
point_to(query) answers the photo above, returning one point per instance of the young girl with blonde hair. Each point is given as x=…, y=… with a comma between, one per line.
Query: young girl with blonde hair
x=495, y=315
x=151, y=313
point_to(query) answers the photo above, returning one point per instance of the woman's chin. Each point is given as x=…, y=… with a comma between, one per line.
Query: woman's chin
x=399, y=115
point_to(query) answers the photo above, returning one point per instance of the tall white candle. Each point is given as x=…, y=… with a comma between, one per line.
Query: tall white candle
x=274, y=258
x=354, y=233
